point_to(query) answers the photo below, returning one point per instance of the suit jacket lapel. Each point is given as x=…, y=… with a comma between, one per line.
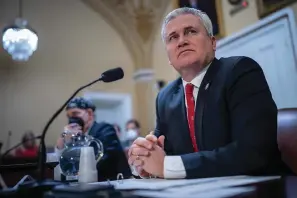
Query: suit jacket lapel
x=201, y=100
x=181, y=120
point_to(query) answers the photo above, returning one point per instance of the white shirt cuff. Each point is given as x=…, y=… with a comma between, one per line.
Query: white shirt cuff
x=174, y=168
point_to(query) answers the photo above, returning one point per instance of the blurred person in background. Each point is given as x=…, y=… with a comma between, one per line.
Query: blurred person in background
x=132, y=131
x=29, y=149
x=114, y=160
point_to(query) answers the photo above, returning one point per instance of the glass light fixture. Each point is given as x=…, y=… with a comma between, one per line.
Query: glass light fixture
x=19, y=40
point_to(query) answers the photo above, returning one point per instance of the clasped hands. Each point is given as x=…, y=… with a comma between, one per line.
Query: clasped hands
x=147, y=155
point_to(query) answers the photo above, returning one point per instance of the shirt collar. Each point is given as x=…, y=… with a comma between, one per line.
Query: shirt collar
x=198, y=79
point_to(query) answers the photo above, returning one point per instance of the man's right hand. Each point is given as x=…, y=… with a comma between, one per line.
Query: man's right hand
x=69, y=131
x=141, y=147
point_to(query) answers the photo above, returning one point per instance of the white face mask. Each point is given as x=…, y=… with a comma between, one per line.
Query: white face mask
x=131, y=134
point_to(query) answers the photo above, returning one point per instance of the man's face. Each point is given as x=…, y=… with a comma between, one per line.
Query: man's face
x=84, y=114
x=187, y=42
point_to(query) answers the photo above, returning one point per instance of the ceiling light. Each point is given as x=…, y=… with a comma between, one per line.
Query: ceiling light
x=19, y=40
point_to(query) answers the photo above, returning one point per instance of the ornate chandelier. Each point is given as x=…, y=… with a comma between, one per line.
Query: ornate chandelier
x=19, y=40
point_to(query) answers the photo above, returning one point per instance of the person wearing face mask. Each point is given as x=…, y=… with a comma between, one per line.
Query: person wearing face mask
x=80, y=113
x=132, y=131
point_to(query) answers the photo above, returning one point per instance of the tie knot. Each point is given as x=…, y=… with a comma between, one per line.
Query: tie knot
x=189, y=88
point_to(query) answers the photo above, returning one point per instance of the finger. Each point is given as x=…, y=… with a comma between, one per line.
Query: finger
x=161, y=140
x=76, y=131
x=68, y=136
x=129, y=151
x=144, y=143
x=76, y=128
x=140, y=151
x=152, y=138
x=131, y=148
x=138, y=163
x=69, y=129
x=130, y=161
x=72, y=125
x=133, y=159
x=141, y=172
x=139, y=169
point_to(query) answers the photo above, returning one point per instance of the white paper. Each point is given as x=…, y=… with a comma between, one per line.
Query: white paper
x=218, y=187
x=229, y=182
x=185, y=184
x=217, y=193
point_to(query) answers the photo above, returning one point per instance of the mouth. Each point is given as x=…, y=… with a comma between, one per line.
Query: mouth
x=188, y=50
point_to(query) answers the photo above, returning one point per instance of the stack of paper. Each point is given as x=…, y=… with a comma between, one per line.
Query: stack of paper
x=218, y=193
x=208, y=187
x=205, y=183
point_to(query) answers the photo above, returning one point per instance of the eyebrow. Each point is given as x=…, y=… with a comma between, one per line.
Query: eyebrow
x=189, y=27
x=185, y=28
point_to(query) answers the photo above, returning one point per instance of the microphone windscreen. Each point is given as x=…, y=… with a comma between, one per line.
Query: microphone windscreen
x=112, y=75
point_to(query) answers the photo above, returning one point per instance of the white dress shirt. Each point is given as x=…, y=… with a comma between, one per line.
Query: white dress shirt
x=173, y=165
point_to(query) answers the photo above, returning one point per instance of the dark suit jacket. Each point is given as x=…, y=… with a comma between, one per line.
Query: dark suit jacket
x=114, y=160
x=235, y=122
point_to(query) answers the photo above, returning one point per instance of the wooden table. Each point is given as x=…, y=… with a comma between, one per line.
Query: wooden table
x=14, y=169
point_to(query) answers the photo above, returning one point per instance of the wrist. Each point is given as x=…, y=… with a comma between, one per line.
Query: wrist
x=60, y=144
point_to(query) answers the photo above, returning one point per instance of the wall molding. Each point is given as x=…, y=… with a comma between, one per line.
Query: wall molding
x=143, y=75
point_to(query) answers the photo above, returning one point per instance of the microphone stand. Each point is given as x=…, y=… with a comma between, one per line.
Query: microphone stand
x=37, y=188
x=42, y=147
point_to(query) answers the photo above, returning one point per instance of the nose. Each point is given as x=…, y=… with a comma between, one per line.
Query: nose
x=182, y=41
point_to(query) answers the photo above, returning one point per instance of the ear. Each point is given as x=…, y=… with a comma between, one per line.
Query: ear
x=214, y=43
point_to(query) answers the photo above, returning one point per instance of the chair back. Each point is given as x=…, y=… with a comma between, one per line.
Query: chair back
x=287, y=136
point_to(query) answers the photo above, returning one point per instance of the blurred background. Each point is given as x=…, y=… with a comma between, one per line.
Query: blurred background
x=80, y=39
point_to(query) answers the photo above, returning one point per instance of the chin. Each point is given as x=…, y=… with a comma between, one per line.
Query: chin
x=185, y=63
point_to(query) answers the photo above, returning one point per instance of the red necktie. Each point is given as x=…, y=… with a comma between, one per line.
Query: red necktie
x=191, y=113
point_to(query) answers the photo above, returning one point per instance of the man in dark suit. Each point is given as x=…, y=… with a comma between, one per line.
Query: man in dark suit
x=218, y=119
x=114, y=160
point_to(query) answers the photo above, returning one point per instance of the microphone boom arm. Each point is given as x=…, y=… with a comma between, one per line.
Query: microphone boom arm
x=42, y=147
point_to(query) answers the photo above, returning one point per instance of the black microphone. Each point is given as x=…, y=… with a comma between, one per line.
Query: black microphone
x=107, y=76
x=112, y=75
